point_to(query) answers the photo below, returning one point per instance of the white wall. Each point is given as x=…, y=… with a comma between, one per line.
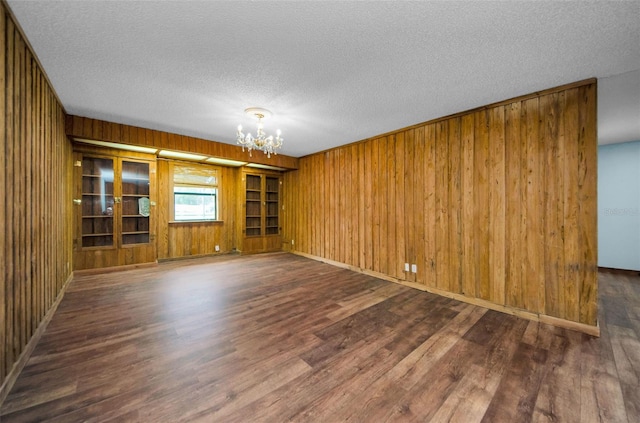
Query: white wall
x=619, y=205
x=619, y=108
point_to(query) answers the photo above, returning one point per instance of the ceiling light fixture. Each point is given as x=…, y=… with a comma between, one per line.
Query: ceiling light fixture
x=267, y=144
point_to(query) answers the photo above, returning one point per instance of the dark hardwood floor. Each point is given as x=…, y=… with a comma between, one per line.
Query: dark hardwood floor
x=278, y=337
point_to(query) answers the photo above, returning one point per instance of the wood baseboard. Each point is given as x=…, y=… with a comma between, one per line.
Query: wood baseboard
x=198, y=256
x=12, y=376
x=627, y=272
x=100, y=270
x=528, y=315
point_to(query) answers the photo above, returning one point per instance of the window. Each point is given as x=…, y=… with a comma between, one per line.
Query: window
x=195, y=193
x=195, y=203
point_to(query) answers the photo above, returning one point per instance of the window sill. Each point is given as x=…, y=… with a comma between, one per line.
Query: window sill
x=183, y=222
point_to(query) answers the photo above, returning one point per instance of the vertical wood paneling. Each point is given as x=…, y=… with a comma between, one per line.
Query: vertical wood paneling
x=355, y=207
x=315, y=193
x=496, y=204
x=481, y=205
x=35, y=206
x=305, y=225
x=368, y=217
x=534, y=212
x=39, y=176
x=325, y=201
x=163, y=182
x=571, y=205
x=20, y=200
x=312, y=191
x=549, y=132
x=428, y=205
x=409, y=192
x=441, y=221
x=513, y=230
x=9, y=194
x=455, y=206
x=4, y=344
x=383, y=203
x=320, y=214
x=401, y=246
x=341, y=209
x=32, y=313
x=296, y=204
x=418, y=159
x=375, y=205
x=587, y=200
x=468, y=207
x=391, y=236
x=560, y=201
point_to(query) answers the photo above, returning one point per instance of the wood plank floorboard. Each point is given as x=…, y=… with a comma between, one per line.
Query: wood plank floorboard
x=280, y=338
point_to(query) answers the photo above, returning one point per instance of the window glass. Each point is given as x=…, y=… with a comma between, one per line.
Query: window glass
x=195, y=193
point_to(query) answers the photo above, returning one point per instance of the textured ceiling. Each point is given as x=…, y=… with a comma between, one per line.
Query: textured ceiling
x=331, y=72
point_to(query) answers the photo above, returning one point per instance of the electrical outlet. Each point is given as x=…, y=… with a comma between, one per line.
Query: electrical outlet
x=414, y=268
x=406, y=267
x=217, y=248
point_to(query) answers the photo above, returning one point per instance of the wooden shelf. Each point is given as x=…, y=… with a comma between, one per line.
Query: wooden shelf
x=261, y=214
x=128, y=180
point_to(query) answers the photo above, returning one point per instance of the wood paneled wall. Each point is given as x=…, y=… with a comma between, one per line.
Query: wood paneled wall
x=94, y=129
x=190, y=238
x=496, y=204
x=35, y=204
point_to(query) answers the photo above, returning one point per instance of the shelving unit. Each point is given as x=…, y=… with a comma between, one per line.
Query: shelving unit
x=253, y=202
x=272, y=195
x=97, y=202
x=113, y=199
x=261, y=229
x=135, y=186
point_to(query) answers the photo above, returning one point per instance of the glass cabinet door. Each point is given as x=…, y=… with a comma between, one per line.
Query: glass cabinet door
x=136, y=205
x=97, y=202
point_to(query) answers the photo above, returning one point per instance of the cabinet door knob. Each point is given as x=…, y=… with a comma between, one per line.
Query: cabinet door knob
x=77, y=201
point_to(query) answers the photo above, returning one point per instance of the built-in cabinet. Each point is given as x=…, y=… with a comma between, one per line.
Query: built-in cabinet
x=114, y=210
x=261, y=230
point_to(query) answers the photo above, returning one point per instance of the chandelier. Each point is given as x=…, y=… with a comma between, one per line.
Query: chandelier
x=262, y=142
